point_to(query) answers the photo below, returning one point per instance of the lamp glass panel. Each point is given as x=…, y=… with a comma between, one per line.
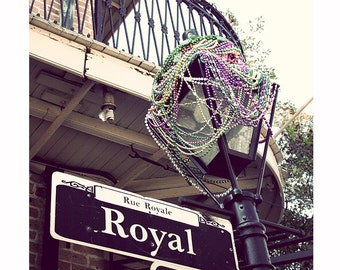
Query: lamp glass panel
x=193, y=115
x=239, y=139
x=194, y=118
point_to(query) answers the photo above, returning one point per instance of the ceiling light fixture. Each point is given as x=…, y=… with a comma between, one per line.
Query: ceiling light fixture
x=108, y=108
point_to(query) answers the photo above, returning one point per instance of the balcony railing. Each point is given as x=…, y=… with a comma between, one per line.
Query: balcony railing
x=150, y=29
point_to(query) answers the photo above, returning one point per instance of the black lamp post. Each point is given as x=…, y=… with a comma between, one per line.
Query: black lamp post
x=199, y=109
x=233, y=151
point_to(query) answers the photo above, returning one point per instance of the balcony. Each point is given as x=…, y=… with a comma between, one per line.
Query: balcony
x=115, y=42
x=148, y=29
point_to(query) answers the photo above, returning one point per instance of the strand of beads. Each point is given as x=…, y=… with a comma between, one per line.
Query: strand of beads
x=236, y=95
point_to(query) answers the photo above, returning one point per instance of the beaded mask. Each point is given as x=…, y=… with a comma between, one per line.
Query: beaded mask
x=184, y=117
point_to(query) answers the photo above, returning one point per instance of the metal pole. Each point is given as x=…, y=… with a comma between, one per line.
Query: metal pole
x=293, y=117
x=275, y=87
x=252, y=249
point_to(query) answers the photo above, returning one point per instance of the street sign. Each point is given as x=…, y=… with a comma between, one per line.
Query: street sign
x=91, y=214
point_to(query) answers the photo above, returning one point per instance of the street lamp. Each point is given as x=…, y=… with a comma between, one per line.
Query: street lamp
x=207, y=111
x=240, y=141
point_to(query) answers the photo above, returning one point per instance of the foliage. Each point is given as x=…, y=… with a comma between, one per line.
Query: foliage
x=295, y=142
x=253, y=47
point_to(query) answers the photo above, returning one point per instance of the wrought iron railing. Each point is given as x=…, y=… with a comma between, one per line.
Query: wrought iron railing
x=150, y=29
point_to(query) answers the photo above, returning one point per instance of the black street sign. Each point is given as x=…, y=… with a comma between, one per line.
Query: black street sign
x=103, y=217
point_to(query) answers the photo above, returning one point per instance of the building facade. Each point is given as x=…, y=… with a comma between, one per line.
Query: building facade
x=81, y=53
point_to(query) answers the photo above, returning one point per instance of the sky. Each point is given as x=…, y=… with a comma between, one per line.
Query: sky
x=288, y=33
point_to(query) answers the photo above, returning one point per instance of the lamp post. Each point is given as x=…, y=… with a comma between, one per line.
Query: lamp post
x=207, y=111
